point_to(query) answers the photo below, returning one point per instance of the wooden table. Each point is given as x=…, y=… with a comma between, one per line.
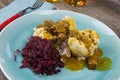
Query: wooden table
x=107, y=11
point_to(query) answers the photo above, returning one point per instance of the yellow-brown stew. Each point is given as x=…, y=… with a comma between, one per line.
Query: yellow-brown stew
x=75, y=47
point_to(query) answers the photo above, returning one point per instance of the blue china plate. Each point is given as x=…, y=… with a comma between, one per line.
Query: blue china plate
x=17, y=33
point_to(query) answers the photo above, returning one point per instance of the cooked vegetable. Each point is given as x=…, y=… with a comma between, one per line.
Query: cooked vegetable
x=41, y=56
x=56, y=32
x=104, y=64
x=98, y=52
x=74, y=64
x=55, y=43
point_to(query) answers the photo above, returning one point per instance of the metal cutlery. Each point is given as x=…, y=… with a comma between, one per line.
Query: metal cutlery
x=36, y=5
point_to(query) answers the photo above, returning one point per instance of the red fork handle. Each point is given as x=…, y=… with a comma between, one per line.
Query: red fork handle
x=5, y=23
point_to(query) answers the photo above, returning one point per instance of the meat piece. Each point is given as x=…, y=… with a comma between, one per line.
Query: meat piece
x=64, y=51
x=49, y=23
x=92, y=62
x=61, y=27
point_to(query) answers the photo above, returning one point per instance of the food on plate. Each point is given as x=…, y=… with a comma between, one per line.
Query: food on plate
x=41, y=32
x=41, y=56
x=98, y=52
x=58, y=44
x=78, y=48
x=64, y=51
x=57, y=33
x=92, y=62
x=71, y=21
x=88, y=40
x=104, y=64
x=73, y=64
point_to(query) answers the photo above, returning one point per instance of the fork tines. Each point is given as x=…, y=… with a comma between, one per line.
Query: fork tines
x=38, y=4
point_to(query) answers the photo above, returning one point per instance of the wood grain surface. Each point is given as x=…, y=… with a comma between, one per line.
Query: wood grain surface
x=107, y=11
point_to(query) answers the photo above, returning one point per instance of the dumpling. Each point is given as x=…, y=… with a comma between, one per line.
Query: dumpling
x=77, y=47
x=90, y=38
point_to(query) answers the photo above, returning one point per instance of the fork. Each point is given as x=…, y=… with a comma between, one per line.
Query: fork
x=36, y=5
